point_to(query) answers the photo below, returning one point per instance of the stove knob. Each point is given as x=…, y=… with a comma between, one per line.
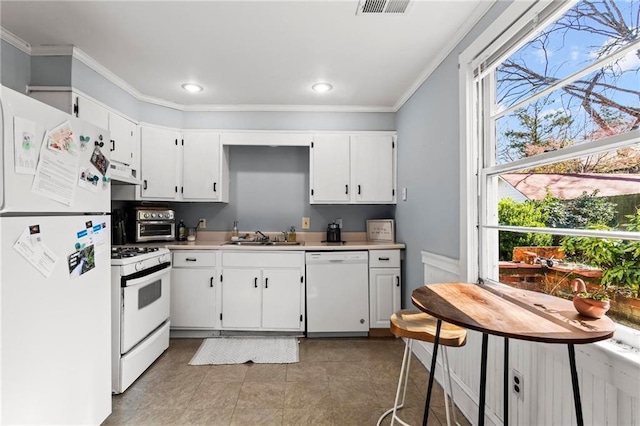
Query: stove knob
x=146, y=215
x=153, y=215
x=139, y=266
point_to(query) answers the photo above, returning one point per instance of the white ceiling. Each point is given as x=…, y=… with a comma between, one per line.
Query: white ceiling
x=254, y=53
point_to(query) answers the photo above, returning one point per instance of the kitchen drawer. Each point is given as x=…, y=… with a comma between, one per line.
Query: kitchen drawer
x=235, y=259
x=384, y=258
x=194, y=259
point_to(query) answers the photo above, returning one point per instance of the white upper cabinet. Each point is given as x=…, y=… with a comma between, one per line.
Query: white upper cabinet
x=330, y=169
x=159, y=153
x=189, y=166
x=372, y=171
x=124, y=140
x=202, y=170
x=353, y=169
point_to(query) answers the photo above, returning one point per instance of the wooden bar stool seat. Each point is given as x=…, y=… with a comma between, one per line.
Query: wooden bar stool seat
x=416, y=325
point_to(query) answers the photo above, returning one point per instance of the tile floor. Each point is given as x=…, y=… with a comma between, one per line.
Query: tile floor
x=337, y=382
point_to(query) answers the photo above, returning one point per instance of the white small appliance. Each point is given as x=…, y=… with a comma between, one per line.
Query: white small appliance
x=140, y=291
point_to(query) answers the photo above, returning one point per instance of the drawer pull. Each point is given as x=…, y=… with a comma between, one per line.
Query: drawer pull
x=383, y=258
x=191, y=259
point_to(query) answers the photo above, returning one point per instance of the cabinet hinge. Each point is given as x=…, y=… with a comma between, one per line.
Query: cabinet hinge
x=300, y=318
x=220, y=316
x=311, y=144
x=301, y=279
x=220, y=277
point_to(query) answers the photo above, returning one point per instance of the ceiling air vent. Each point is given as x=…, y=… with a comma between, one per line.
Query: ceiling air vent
x=373, y=7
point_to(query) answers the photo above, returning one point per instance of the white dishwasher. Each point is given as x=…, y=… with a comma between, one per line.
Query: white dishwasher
x=337, y=293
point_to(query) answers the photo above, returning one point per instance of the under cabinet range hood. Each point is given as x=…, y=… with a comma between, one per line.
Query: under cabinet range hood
x=124, y=173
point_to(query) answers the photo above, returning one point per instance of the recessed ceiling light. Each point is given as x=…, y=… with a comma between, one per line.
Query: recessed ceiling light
x=322, y=87
x=191, y=87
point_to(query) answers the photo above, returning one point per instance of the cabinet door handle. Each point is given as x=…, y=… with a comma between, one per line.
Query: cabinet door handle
x=191, y=259
x=397, y=281
x=214, y=187
x=113, y=145
x=266, y=283
x=358, y=189
x=255, y=282
x=346, y=189
x=211, y=282
x=383, y=258
x=144, y=184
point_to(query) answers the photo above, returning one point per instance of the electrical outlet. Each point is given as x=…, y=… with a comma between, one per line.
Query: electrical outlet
x=339, y=222
x=306, y=222
x=517, y=384
x=202, y=223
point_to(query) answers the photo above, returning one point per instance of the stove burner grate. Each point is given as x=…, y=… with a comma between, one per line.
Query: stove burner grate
x=125, y=252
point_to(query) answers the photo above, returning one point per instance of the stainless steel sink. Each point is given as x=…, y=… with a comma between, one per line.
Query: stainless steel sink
x=263, y=243
x=245, y=243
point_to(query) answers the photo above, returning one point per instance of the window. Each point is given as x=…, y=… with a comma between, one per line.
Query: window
x=556, y=125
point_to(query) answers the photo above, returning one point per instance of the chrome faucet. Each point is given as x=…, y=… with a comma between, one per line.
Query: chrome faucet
x=262, y=236
x=286, y=236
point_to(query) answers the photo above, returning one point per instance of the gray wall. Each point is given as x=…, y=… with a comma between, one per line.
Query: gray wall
x=50, y=71
x=269, y=191
x=15, y=68
x=429, y=164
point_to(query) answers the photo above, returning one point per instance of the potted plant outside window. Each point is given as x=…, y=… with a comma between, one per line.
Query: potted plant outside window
x=593, y=304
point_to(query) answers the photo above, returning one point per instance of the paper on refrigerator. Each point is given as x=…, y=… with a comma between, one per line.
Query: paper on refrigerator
x=57, y=172
x=36, y=253
x=25, y=152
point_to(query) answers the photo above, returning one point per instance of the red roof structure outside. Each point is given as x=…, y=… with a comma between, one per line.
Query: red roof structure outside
x=570, y=186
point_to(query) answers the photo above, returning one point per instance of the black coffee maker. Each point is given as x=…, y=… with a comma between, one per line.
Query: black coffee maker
x=118, y=227
x=333, y=233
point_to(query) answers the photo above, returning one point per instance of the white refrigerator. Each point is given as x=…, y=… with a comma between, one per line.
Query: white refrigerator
x=55, y=365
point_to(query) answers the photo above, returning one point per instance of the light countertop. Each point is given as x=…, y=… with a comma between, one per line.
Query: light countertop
x=309, y=241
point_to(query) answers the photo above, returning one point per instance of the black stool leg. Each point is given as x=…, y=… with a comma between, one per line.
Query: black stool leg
x=432, y=373
x=483, y=378
x=505, y=378
x=574, y=383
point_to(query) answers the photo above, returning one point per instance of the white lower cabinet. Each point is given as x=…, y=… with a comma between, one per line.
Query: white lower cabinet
x=384, y=286
x=262, y=291
x=193, y=290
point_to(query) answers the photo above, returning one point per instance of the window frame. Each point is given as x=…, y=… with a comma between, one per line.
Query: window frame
x=475, y=179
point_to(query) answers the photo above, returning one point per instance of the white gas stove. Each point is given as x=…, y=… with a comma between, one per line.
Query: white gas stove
x=140, y=290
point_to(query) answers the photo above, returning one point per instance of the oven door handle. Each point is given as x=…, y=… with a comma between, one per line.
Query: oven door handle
x=145, y=279
x=155, y=222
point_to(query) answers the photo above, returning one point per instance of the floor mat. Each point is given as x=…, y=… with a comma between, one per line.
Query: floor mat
x=238, y=350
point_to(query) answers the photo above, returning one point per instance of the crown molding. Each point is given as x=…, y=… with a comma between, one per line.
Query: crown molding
x=15, y=41
x=467, y=26
x=52, y=50
x=286, y=108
